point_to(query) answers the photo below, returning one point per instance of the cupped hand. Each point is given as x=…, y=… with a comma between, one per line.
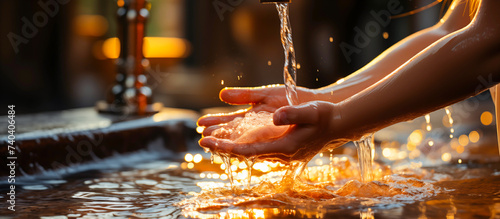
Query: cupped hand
x=312, y=126
x=266, y=98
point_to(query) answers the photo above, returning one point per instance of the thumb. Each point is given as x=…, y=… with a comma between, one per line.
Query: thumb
x=307, y=113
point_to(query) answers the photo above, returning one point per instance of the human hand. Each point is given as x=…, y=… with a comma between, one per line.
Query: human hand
x=266, y=98
x=312, y=126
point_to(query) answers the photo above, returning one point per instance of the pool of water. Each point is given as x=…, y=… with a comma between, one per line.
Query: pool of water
x=162, y=188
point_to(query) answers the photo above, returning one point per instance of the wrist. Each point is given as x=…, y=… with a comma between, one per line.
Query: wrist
x=307, y=94
x=342, y=126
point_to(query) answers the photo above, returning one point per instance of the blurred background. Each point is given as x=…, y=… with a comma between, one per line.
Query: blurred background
x=66, y=59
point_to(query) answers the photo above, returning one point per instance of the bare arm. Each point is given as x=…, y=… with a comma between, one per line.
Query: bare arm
x=454, y=19
x=444, y=73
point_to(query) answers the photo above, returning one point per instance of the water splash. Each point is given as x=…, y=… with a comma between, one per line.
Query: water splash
x=290, y=69
x=249, y=163
x=332, y=184
x=292, y=174
x=366, y=152
x=226, y=159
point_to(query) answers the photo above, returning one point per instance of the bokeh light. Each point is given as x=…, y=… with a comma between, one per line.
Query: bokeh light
x=474, y=136
x=486, y=118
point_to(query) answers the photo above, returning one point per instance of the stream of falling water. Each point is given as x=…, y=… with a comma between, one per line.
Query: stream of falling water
x=290, y=68
x=366, y=152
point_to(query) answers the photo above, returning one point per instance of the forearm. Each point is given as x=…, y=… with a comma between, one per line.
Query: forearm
x=381, y=66
x=396, y=55
x=444, y=73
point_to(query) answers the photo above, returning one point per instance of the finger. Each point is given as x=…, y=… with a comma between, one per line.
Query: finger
x=293, y=145
x=210, y=129
x=277, y=148
x=216, y=144
x=241, y=96
x=302, y=114
x=215, y=119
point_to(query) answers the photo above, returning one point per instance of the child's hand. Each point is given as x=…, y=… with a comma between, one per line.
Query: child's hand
x=312, y=128
x=268, y=99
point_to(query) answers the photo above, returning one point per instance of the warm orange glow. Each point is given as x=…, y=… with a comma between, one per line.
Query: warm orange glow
x=414, y=154
x=234, y=167
x=217, y=160
x=120, y=3
x=165, y=47
x=428, y=122
x=486, y=118
x=446, y=157
x=224, y=176
x=197, y=158
x=446, y=122
x=385, y=35
x=242, y=165
x=90, y=25
x=454, y=143
x=97, y=50
x=474, y=136
x=415, y=137
x=463, y=140
x=188, y=157
x=411, y=146
x=154, y=47
x=111, y=48
x=263, y=167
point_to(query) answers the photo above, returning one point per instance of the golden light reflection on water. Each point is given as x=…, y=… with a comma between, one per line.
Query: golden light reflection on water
x=334, y=179
x=328, y=180
x=154, y=190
